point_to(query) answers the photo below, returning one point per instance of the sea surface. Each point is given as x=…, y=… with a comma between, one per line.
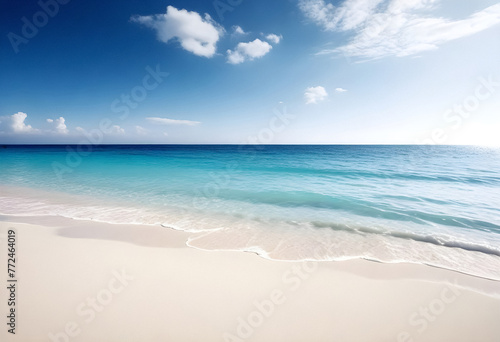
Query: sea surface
x=433, y=205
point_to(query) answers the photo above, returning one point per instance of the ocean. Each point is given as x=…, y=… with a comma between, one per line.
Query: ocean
x=433, y=205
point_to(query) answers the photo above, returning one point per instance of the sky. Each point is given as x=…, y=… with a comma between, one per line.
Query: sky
x=260, y=71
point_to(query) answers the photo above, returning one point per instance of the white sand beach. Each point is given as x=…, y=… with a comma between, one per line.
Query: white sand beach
x=87, y=281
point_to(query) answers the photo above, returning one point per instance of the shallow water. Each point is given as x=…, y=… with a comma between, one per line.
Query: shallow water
x=437, y=205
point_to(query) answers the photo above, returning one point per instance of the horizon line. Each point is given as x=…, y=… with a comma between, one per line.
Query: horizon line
x=234, y=144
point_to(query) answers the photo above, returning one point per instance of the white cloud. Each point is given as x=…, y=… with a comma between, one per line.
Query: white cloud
x=14, y=127
x=141, y=130
x=315, y=94
x=165, y=121
x=248, y=51
x=18, y=125
x=323, y=14
x=115, y=129
x=195, y=34
x=59, y=125
x=15, y=124
x=393, y=27
x=340, y=90
x=274, y=38
x=238, y=30
x=234, y=57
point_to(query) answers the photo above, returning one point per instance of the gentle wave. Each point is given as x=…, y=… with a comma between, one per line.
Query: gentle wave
x=379, y=174
x=355, y=206
x=444, y=241
x=288, y=240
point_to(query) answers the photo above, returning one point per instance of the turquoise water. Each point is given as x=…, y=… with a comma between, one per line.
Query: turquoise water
x=437, y=205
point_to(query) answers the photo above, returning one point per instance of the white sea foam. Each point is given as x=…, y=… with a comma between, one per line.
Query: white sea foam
x=346, y=238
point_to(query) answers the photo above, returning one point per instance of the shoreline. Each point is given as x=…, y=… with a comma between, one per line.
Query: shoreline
x=228, y=296
x=192, y=235
x=306, y=243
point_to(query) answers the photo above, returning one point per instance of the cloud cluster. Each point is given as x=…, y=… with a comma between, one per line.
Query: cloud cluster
x=200, y=35
x=15, y=127
x=248, y=51
x=195, y=34
x=314, y=95
x=15, y=124
x=393, y=27
x=59, y=125
x=252, y=50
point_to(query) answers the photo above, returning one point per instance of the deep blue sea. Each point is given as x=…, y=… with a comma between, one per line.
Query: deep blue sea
x=434, y=205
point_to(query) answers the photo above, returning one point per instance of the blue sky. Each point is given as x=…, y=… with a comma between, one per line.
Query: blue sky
x=287, y=71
